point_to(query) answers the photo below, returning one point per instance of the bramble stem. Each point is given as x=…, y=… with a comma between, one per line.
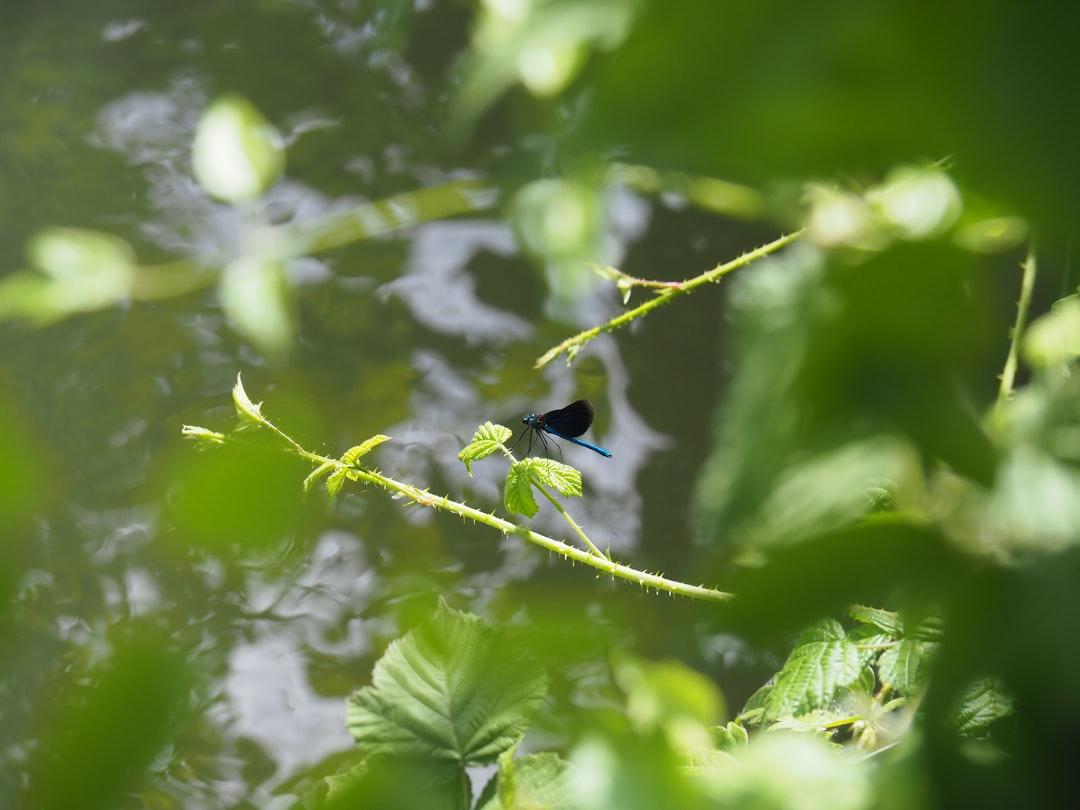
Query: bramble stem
x=1023, y=307
x=574, y=344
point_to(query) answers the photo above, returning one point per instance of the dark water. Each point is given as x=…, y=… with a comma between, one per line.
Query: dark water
x=422, y=335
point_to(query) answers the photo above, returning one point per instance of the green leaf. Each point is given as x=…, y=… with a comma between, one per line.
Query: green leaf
x=822, y=663
x=670, y=697
x=80, y=271
x=979, y=706
x=885, y=620
x=351, y=455
x=344, y=782
x=534, y=782
x=1054, y=339
x=335, y=482
x=906, y=666
x=519, y=496
x=258, y=303
x=237, y=155
x=203, y=436
x=488, y=439
x=732, y=737
x=247, y=409
x=316, y=474
x=561, y=477
x=452, y=690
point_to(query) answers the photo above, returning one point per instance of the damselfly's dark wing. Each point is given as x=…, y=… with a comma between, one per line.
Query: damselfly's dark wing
x=573, y=420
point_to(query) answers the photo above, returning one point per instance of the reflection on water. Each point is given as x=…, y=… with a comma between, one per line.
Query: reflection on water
x=421, y=334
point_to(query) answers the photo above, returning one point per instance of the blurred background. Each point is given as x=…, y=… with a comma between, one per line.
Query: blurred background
x=247, y=613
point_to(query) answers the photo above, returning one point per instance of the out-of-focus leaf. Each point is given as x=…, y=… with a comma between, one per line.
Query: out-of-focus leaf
x=398, y=782
x=979, y=706
x=560, y=221
x=237, y=155
x=783, y=770
x=539, y=782
x=834, y=355
x=452, y=690
x=80, y=271
x=235, y=498
x=540, y=44
x=816, y=578
x=1054, y=339
x=258, y=302
x=859, y=83
x=101, y=740
x=833, y=490
x=1035, y=503
x=671, y=697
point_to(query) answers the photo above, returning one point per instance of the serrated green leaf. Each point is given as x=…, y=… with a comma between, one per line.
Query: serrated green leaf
x=244, y=406
x=335, y=482
x=236, y=154
x=316, y=474
x=561, y=477
x=979, y=706
x=519, y=496
x=533, y=782
x=344, y=782
x=488, y=439
x=353, y=453
x=823, y=662
x=451, y=690
x=885, y=620
x=258, y=303
x=906, y=665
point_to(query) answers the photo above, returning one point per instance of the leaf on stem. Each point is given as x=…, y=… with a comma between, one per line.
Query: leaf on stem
x=487, y=439
x=316, y=474
x=519, y=497
x=244, y=406
x=450, y=691
x=354, y=453
x=204, y=436
x=561, y=477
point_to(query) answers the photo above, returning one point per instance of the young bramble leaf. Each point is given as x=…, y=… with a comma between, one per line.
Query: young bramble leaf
x=202, y=435
x=561, y=477
x=353, y=453
x=316, y=474
x=823, y=662
x=335, y=482
x=519, y=497
x=452, y=690
x=244, y=406
x=487, y=440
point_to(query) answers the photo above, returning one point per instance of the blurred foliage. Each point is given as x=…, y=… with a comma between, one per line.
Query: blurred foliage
x=859, y=456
